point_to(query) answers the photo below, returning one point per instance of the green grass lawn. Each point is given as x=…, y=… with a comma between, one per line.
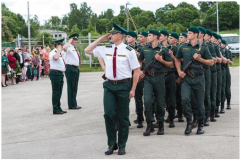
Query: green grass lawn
x=235, y=61
x=230, y=31
x=86, y=68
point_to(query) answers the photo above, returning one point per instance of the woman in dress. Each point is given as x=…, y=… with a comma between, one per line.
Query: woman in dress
x=46, y=61
x=12, y=63
x=4, y=69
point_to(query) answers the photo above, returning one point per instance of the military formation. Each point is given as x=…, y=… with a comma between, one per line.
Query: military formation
x=182, y=75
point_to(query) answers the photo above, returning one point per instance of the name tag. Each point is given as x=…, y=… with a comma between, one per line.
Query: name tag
x=185, y=48
x=146, y=50
x=157, y=51
x=197, y=49
x=108, y=54
x=121, y=55
x=74, y=50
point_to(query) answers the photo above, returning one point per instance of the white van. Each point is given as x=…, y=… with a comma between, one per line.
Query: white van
x=233, y=42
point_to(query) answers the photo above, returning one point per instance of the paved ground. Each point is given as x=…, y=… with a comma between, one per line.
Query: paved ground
x=29, y=130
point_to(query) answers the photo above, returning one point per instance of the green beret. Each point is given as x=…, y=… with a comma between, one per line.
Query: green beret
x=144, y=33
x=193, y=29
x=215, y=35
x=164, y=32
x=219, y=37
x=174, y=35
x=75, y=36
x=209, y=32
x=132, y=33
x=154, y=31
x=183, y=34
x=224, y=41
x=58, y=41
x=202, y=29
x=117, y=29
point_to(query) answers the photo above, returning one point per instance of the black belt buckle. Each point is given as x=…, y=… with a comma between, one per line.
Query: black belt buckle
x=192, y=75
x=114, y=82
x=165, y=73
x=152, y=74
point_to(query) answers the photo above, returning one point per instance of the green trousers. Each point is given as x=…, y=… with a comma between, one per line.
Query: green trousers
x=179, y=107
x=72, y=75
x=213, y=92
x=195, y=86
x=154, y=86
x=57, y=86
x=117, y=95
x=170, y=96
x=207, y=100
x=223, y=89
x=219, y=87
x=228, y=83
x=139, y=98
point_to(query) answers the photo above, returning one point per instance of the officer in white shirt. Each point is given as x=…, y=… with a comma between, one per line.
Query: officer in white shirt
x=120, y=61
x=73, y=61
x=57, y=68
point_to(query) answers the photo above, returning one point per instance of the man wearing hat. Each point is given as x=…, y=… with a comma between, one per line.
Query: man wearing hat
x=73, y=61
x=224, y=65
x=193, y=81
x=214, y=39
x=183, y=38
x=120, y=61
x=57, y=67
x=154, y=80
x=213, y=73
x=131, y=39
x=228, y=78
x=170, y=82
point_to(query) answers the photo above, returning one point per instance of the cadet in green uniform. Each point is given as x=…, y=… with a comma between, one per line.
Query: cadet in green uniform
x=73, y=62
x=213, y=86
x=194, y=81
x=224, y=65
x=214, y=39
x=170, y=81
x=57, y=67
x=120, y=61
x=228, y=78
x=142, y=38
x=154, y=81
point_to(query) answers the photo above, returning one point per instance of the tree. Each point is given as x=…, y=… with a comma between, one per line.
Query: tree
x=85, y=14
x=135, y=11
x=55, y=22
x=162, y=12
x=73, y=16
x=205, y=6
x=48, y=40
x=74, y=30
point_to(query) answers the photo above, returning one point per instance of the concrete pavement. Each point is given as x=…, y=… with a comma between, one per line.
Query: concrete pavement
x=30, y=130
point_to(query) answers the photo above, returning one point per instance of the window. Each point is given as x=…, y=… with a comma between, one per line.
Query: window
x=60, y=35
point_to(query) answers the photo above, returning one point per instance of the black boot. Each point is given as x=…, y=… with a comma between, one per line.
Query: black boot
x=222, y=108
x=212, y=116
x=206, y=119
x=160, y=128
x=217, y=112
x=139, y=124
x=194, y=123
x=180, y=117
x=155, y=125
x=149, y=129
x=200, y=129
x=228, y=103
x=188, y=129
x=171, y=122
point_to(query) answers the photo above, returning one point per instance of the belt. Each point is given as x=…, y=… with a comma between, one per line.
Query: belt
x=214, y=71
x=56, y=70
x=168, y=72
x=120, y=81
x=194, y=75
x=155, y=73
x=71, y=65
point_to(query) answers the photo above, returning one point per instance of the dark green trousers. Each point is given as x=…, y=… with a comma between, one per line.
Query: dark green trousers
x=154, y=86
x=29, y=72
x=139, y=98
x=117, y=95
x=194, y=86
x=213, y=92
x=219, y=87
x=170, y=96
x=179, y=107
x=223, y=89
x=72, y=75
x=228, y=83
x=57, y=86
x=207, y=100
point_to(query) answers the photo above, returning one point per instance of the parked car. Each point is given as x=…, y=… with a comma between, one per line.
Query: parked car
x=233, y=42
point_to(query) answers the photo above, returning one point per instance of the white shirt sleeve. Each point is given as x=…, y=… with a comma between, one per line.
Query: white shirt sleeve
x=133, y=60
x=98, y=52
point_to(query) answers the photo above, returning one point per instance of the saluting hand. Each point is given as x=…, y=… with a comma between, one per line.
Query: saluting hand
x=104, y=38
x=70, y=40
x=131, y=94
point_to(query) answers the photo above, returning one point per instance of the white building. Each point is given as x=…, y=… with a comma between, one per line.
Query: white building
x=56, y=34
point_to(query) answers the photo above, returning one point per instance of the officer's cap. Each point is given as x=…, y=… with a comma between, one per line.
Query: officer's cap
x=117, y=29
x=74, y=36
x=154, y=31
x=58, y=41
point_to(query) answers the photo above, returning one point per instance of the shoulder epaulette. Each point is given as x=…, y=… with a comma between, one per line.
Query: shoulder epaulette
x=56, y=51
x=109, y=46
x=129, y=48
